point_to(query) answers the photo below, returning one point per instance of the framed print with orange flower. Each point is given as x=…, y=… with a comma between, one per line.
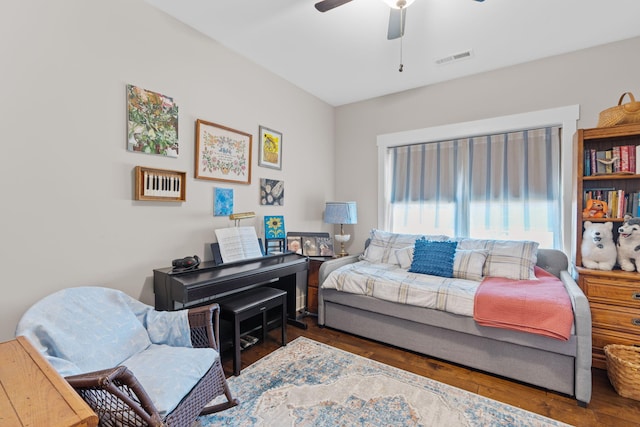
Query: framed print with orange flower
x=270, y=150
x=222, y=153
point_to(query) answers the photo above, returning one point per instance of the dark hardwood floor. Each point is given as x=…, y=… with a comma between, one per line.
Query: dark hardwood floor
x=607, y=408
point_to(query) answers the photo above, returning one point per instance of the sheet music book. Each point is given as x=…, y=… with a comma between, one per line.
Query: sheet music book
x=238, y=243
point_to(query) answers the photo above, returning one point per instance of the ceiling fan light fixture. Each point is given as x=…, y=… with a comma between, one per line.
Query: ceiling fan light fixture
x=398, y=4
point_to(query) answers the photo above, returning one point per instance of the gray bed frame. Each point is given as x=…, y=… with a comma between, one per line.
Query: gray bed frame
x=561, y=366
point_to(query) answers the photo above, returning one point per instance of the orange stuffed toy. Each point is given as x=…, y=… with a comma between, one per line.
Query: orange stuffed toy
x=595, y=209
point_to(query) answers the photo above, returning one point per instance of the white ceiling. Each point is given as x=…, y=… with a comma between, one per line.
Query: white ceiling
x=343, y=55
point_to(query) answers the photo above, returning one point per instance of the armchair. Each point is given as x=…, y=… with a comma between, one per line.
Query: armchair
x=133, y=365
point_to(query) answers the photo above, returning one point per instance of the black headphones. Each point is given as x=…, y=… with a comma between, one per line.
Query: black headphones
x=186, y=263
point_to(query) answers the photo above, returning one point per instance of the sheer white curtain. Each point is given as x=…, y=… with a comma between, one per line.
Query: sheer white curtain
x=503, y=186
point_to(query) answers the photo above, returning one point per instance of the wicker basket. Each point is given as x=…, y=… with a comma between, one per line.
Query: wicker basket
x=621, y=114
x=623, y=369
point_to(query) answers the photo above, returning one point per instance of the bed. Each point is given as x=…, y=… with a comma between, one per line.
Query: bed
x=443, y=327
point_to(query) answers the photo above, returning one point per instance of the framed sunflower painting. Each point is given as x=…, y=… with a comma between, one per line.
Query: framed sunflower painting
x=274, y=235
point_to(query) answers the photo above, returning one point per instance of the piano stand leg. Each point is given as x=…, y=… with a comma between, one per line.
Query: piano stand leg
x=297, y=323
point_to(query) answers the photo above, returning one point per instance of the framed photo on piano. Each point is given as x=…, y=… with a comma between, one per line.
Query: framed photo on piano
x=310, y=244
x=222, y=153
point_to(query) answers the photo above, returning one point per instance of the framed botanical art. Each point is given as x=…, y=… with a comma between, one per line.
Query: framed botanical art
x=152, y=122
x=222, y=153
x=270, y=150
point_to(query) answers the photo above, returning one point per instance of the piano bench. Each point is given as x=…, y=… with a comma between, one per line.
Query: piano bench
x=247, y=304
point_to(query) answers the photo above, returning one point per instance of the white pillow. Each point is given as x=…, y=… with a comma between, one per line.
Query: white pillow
x=507, y=258
x=383, y=245
x=404, y=257
x=469, y=263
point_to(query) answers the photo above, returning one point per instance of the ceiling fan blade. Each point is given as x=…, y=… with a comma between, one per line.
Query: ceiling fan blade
x=326, y=5
x=394, y=23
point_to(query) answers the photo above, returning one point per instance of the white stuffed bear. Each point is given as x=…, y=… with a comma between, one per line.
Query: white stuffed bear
x=629, y=244
x=598, y=248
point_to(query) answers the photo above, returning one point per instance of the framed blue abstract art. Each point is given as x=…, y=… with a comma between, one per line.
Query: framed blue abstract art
x=222, y=201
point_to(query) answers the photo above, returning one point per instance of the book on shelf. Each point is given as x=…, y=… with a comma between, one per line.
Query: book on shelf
x=619, y=202
x=618, y=159
x=592, y=153
x=617, y=156
x=587, y=163
x=624, y=158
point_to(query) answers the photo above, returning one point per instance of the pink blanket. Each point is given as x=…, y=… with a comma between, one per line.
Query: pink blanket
x=538, y=306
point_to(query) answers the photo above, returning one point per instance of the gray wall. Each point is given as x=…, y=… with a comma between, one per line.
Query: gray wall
x=68, y=217
x=593, y=78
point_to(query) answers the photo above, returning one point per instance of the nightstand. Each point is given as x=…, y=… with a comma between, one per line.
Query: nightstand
x=313, y=282
x=34, y=394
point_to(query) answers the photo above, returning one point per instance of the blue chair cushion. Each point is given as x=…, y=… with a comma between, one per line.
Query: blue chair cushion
x=168, y=373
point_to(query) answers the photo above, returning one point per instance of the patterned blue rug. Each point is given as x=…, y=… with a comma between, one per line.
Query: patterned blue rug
x=308, y=383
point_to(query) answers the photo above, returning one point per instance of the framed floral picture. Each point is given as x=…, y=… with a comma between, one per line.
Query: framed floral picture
x=222, y=153
x=270, y=150
x=152, y=122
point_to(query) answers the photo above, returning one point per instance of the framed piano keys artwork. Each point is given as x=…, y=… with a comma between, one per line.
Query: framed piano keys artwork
x=160, y=184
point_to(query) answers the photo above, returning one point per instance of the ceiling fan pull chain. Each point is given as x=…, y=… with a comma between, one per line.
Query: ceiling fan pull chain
x=401, y=37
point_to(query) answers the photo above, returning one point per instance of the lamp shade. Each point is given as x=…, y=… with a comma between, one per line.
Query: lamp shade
x=341, y=213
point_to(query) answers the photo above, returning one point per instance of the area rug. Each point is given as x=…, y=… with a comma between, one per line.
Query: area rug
x=308, y=383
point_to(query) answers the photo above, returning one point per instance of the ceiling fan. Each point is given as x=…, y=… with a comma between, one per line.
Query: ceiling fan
x=396, y=17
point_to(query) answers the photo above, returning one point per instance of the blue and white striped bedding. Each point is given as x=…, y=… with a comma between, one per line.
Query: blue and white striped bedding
x=391, y=283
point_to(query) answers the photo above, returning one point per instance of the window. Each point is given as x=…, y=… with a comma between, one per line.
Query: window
x=497, y=186
x=514, y=181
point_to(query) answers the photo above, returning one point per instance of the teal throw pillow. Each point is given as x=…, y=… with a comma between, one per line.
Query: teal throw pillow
x=434, y=258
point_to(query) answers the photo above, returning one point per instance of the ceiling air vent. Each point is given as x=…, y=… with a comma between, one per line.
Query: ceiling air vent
x=455, y=57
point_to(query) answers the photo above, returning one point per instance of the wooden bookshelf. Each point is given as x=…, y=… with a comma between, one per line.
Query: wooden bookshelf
x=614, y=295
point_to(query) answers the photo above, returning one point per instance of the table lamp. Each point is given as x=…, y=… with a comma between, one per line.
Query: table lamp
x=341, y=213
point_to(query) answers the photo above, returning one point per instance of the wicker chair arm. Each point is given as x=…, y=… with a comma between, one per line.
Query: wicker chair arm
x=95, y=378
x=123, y=389
x=204, y=322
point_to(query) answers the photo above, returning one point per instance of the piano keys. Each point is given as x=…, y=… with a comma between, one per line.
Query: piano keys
x=160, y=184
